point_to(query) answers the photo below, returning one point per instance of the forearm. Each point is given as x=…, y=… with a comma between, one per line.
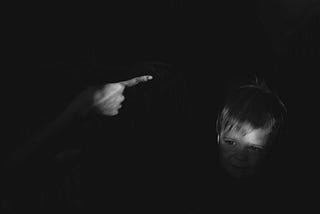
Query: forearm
x=54, y=128
x=39, y=140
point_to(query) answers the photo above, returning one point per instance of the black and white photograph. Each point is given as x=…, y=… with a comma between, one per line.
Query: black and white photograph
x=161, y=107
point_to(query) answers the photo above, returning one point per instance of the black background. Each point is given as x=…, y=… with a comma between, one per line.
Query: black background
x=52, y=53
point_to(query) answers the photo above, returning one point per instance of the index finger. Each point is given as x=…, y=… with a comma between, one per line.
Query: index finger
x=136, y=80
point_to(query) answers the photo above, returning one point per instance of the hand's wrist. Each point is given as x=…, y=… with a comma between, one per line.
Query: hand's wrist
x=65, y=117
x=55, y=127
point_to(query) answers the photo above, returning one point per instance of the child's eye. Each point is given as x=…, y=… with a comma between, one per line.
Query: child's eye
x=230, y=142
x=255, y=149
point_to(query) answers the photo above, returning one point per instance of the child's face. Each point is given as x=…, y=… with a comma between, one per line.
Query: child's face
x=242, y=150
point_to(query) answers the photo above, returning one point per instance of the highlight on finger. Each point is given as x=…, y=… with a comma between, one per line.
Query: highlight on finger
x=136, y=80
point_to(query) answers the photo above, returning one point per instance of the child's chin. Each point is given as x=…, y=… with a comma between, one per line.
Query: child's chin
x=240, y=172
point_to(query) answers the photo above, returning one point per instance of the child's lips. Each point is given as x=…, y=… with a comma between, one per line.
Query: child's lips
x=239, y=167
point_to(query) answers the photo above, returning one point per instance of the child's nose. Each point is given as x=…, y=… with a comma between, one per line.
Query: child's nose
x=242, y=155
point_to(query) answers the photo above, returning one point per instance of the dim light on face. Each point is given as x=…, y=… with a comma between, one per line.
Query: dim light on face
x=241, y=150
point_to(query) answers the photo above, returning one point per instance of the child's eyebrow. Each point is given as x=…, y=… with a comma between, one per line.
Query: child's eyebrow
x=258, y=146
x=229, y=138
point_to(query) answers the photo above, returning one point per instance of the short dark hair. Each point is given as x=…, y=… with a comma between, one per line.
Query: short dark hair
x=254, y=104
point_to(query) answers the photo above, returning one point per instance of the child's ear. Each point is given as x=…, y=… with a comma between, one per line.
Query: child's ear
x=218, y=138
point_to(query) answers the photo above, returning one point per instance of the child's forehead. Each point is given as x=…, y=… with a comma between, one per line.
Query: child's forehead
x=239, y=128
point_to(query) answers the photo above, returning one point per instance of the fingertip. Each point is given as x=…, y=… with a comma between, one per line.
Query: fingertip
x=145, y=78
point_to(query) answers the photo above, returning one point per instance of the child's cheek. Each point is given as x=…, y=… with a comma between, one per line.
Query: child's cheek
x=227, y=151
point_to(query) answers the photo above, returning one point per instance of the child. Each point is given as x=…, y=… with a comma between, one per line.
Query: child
x=247, y=127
